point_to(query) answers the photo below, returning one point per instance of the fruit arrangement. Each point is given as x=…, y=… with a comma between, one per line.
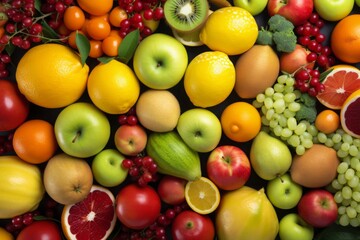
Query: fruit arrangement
x=166, y=119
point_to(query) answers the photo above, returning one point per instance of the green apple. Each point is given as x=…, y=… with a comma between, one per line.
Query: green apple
x=82, y=130
x=283, y=193
x=200, y=129
x=107, y=168
x=357, y=2
x=333, y=10
x=160, y=61
x=293, y=227
x=254, y=7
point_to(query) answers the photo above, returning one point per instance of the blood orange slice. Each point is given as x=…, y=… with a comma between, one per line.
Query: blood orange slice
x=350, y=114
x=93, y=218
x=339, y=84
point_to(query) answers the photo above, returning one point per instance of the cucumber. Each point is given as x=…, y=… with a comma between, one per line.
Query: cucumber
x=173, y=156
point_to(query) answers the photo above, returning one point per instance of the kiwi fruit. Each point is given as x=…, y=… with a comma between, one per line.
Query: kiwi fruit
x=186, y=15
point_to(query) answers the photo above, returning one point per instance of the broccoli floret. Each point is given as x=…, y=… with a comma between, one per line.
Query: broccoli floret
x=306, y=113
x=308, y=100
x=264, y=37
x=278, y=23
x=285, y=41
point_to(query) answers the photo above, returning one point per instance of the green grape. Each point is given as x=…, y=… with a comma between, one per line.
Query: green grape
x=273, y=123
x=346, y=202
x=329, y=142
x=336, y=137
x=286, y=132
x=300, y=150
x=346, y=159
x=353, y=204
x=346, y=192
x=282, y=78
x=283, y=121
x=307, y=143
x=312, y=130
x=341, y=178
x=322, y=137
x=278, y=96
x=350, y=173
x=340, y=153
x=342, y=167
x=354, y=222
x=289, y=97
x=294, y=106
x=264, y=109
x=338, y=197
x=354, y=162
x=353, y=182
x=268, y=103
x=306, y=135
x=356, y=196
x=337, y=146
x=358, y=209
x=292, y=123
x=353, y=151
x=289, y=89
x=344, y=220
x=256, y=104
x=288, y=114
x=300, y=128
x=336, y=185
x=260, y=97
x=269, y=91
x=290, y=81
x=294, y=140
x=357, y=168
x=264, y=120
x=345, y=147
x=277, y=130
x=347, y=138
x=269, y=114
x=278, y=87
x=351, y=212
x=280, y=109
x=356, y=142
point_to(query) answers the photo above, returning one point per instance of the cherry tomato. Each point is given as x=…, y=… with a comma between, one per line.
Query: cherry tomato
x=40, y=230
x=137, y=207
x=190, y=225
x=14, y=107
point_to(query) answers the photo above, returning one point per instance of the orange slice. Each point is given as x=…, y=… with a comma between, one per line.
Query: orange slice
x=350, y=114
x=92, y=218
x=202, y=195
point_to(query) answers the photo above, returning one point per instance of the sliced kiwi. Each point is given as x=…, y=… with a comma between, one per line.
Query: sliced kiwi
x=186, y=15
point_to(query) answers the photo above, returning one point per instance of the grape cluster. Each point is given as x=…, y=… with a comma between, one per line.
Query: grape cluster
x=128, y=118
x=142, y=169
x=346, y=185
x=137, y=11
x=6, y=143
x=308, y=81
x=20, y=222
x=157, y=230
x=278, y=106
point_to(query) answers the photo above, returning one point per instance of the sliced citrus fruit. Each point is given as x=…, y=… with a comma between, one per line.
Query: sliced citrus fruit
x=92, y=218
x=202, y=195
x=339, y=84
x=350, y=114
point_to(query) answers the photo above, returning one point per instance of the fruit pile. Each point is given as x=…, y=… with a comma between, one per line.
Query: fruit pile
x=166, y=119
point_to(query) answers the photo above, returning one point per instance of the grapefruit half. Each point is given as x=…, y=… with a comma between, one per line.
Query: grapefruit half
x=339, y=84
x=92, y=218
x=350, y=114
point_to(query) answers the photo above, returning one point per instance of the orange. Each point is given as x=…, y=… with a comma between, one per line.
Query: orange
x=5, y=235
x=96, y=8
x=110, y=45
x=63, y=30
x=116, y=16
x=74, y=18
x=339, y=84
x=345, y=39
x=240, y=121
x=98, y=28
x=95, y=48
x=350, y=114
x=63, y=82
x=202, y=195
x=72, y=38
x=92, y=218
x=34, y=141
x=327, y=121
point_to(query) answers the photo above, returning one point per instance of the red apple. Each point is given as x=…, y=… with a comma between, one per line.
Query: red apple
x=14, y=107
x=189, y=225
x=318, y=208
x=292, y=61
x=228, y=167
x=130, y=139
x=172, y=189
x=296, y=11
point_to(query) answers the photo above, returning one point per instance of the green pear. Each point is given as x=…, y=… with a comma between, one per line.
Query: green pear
x=269, y=156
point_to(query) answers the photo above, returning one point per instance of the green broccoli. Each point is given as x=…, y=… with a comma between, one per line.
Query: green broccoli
x=285, y=41
x=264, y=37
x=278, y=23
x=308, y=100
x=306, y=113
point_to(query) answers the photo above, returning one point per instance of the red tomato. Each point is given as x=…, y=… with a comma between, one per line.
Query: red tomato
x=14, y=107
x=189, y=225
x=40, y=230
x=137, y=207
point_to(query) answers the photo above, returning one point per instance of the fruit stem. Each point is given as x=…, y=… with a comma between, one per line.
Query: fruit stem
x=78, y=133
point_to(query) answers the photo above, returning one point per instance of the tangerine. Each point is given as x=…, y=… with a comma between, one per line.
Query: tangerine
x=117, y=14
x=345, y=39
x=95, y=48
x=34, y=141
x=110, y=45
x=96, y=8
x=74, y=18
x=98, y=28
x=327, y=121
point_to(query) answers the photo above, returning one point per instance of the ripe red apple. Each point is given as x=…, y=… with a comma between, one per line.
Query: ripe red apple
x=318, y=208
x=189, y=225
x=14, y=107
x=130, y=139
x=172, y=189
x=228, y=167
x=292, y=61
x=296, y=11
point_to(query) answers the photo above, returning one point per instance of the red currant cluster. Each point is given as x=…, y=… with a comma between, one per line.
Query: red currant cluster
x=56, y=9
x=137, y=11
x=157, y=230
x=6, y=143
x=142, y=169
x=310, y=36
x=308, y=80
x=128, y=118
x=20, y=222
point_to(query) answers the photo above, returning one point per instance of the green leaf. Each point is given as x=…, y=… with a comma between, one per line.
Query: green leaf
x=38, y=5
x=9, y=48
x=324, y=74
x=48, y=32
x=128, y=45
x=83, y=46
x=105, y=59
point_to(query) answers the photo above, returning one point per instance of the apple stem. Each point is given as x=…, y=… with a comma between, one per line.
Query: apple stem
x=189, y=225
x=282, y=180
x=78, y=133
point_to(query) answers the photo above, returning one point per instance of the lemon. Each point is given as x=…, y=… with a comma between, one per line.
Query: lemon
x=232, y=30
x=5, y=235
x=209, y=78
x=51, y=75
x=113, y=87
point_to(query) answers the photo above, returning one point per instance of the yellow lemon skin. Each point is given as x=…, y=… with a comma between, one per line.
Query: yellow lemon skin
x=21, y=187
x=232, y=30
x=209, y=78
x=51, y=75
x=246, y=214
x=113, y=87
